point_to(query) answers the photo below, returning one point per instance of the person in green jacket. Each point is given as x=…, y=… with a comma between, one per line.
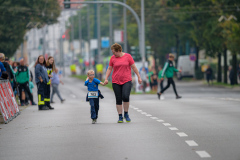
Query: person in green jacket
x=22, y=78
x=169, y=70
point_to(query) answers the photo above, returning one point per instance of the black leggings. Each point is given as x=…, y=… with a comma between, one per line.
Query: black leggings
x=170, y=81
x=122, y=92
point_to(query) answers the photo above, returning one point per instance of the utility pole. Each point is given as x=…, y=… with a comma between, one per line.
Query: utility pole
x=88, y=26
x=80, y=33
x=125, y=27
x=99, y=33
x=110, y=29
x=143, y=32
x=72, y=30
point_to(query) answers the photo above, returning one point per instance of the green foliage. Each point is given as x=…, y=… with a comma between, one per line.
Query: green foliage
x=16, y=15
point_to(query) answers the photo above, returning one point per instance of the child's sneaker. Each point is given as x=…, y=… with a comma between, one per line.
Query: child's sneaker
x=120, y=119
x=93, y=121
x=126, y=116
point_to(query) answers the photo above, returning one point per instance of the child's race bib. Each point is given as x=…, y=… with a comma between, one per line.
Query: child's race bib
x=93, y=94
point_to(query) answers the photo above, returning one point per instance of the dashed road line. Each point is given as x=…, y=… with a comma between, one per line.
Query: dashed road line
x=166, y=124
x=173, y=128
x=203, y=154
x=191, y=143
x=182, y=134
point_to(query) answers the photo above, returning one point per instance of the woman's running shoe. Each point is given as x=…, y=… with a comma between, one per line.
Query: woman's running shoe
x=120, y=120
x=126, y=116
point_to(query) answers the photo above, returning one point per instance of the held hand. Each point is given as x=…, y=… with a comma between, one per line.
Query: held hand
x=105, y=82
x=162, y=79
x=180, y=70
x=139, y=80
x=41, y=80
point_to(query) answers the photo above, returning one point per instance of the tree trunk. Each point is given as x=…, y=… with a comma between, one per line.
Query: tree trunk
x=234, y=67
x=219, y=75
x=225, y=65
x=196, y=63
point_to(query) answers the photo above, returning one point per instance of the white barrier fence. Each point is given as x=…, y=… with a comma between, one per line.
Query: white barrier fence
x=8, y=104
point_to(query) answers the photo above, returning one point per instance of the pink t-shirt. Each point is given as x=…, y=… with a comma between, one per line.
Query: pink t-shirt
x=121, y=68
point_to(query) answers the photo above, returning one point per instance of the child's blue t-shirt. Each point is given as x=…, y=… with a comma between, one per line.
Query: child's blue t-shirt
x=92, y=86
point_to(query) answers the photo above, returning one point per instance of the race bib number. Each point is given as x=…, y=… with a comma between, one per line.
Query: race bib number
x=93, y=94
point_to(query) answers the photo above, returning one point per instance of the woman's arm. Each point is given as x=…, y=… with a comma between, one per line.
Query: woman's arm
x=133, y=66
x=109, y=70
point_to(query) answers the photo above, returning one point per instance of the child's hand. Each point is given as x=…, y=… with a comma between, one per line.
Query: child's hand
x=102, y=84
x=87, y=78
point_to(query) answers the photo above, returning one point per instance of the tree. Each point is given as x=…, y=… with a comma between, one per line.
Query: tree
x=16, y=15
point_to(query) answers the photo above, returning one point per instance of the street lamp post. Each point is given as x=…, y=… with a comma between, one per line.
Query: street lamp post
x=141, y=39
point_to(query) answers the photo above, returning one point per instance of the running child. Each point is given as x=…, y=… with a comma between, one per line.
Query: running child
x=93, y=94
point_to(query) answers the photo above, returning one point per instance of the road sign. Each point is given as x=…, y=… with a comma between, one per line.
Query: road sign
x=105, y=42
x=192, y=57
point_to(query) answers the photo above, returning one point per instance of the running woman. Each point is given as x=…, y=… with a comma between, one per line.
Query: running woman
x=121, y=63
x=169, y=70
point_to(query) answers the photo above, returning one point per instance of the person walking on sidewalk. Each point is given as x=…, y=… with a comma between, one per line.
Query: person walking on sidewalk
x=169, y=70
x=55, y=82
x=121, y=63
x=209, y=73
x=93, y=94
x=41, y=78
x=50, y=65
x=22, y=78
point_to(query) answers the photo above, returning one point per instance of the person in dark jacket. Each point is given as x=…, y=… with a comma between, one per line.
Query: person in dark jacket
x=2, y=68
x=231, y=75
x=7, y=67
x=41, y=78
x=22, y=78
x=50, y=65
x=209, y=73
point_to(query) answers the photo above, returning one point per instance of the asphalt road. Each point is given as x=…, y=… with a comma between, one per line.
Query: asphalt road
x=204, y=124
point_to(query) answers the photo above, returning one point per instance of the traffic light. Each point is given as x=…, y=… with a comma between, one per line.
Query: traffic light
x=135, y=53
x=67, y=6
x=41, y=40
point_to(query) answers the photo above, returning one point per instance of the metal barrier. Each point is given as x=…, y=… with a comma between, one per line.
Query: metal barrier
x=8, y=105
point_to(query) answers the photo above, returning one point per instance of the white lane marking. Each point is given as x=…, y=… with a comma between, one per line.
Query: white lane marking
x=160, y=120
x=135, y=108
x=203, y=154
x=139, y=110
x=191, y=143
x=73, y=95
x=148, y=115
x=144, y=113
x=182, y=134
x=166, y=124
x=173, y=128
x=154, y=117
